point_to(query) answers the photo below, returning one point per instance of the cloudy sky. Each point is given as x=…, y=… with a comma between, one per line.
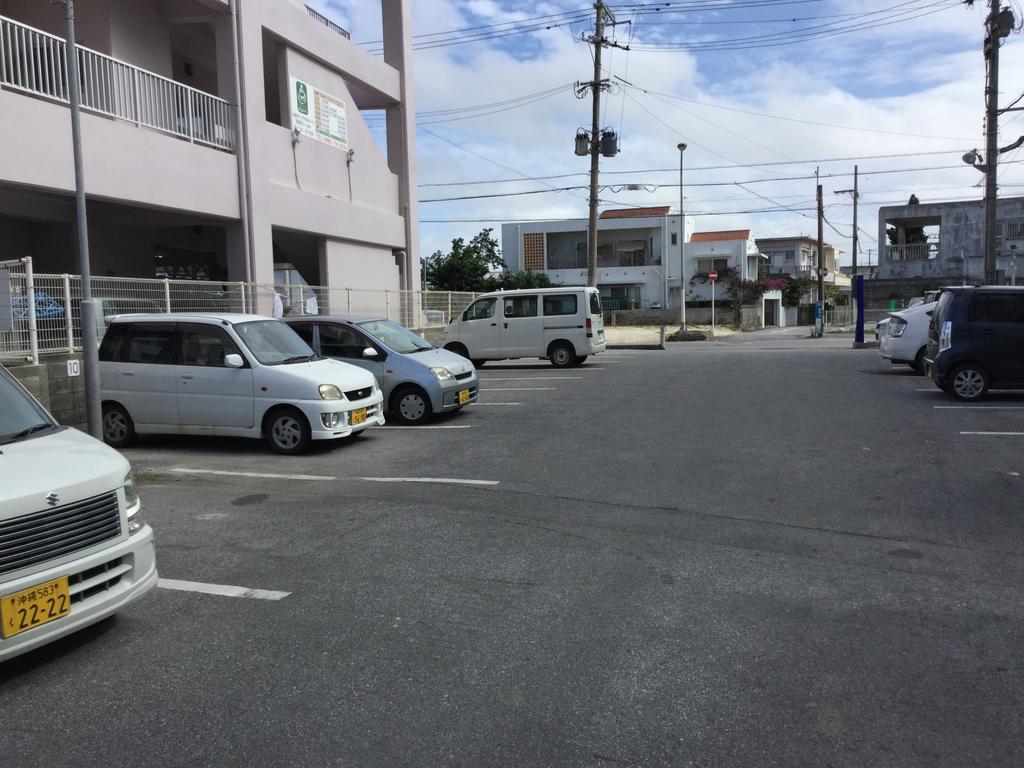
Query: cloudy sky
x=764, y=92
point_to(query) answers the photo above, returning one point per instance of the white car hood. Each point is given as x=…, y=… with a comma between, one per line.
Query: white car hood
x=68, y=463
x=292, y=377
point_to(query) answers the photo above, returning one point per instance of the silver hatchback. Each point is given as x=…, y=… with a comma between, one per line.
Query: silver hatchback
x=418, y=379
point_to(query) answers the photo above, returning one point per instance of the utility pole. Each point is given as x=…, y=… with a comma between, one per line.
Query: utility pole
x=992, y=37
x=856, y=197
x=87, y=313
x=821, y=265
x=600, y=144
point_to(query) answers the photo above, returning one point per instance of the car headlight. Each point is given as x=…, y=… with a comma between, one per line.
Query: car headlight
x=330, y=392
x=443, y=374
x=133, y=504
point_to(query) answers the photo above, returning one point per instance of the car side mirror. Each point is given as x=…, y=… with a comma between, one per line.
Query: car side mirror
x=369, y=352
x=233, y=361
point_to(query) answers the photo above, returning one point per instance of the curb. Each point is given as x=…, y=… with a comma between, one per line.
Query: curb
x=634, y=346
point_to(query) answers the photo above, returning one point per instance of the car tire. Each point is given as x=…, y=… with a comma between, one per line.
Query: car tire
x=580, y=360
x=561, y=354
x=458, y=349
x=411, y=406
x=918, y=364
x=968, y=383
x=118, y=427
x=286, y=431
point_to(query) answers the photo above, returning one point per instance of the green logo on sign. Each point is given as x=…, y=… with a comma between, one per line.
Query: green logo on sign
x=302, y=98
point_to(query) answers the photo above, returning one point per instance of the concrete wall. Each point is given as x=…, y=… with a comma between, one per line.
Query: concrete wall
x=92, y=20
x=139, y=35
x=345, y=264
x=62, y=395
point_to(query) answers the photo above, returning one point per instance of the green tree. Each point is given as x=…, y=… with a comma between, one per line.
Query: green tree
x=795, y=289
x=508, y=281
x=465, y=266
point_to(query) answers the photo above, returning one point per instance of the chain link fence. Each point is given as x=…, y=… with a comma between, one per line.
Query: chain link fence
x=41, y=314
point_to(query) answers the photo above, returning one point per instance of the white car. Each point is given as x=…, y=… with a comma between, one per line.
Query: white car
x=73, y=546
x=906, y=336
x=228, y=374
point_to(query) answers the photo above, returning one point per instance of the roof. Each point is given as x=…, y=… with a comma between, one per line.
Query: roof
x=532, y=291
x=713, y=237
x=635, y=213
x=800, y=238
x=230, y=318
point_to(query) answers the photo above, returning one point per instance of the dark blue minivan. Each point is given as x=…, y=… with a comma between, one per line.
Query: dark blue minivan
x=976, y=341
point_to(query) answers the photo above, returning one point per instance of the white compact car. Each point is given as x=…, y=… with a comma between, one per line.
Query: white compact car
x=228, y=374
x=906, y=336
x=563, y=325
x=73, y=547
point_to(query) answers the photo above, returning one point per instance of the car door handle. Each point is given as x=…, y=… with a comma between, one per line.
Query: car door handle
x=506, y=326
x=987, y=331
x=494, y=325
x=127, y=373
x=187, y=376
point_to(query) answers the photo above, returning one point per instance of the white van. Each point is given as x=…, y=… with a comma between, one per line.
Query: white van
x=564, y=325
x=73, y=547
x=228, y=374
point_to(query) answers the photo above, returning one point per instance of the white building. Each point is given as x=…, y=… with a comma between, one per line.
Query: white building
x=637, y=254
x=222, y=139
x=729, y=251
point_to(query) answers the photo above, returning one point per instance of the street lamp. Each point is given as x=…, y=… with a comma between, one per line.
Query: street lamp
x=682, y=241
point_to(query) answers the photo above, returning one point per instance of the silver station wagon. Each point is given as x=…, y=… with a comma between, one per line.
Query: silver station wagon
x=418, y=379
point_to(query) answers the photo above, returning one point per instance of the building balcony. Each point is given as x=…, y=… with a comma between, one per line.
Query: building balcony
x=328, y=23
x=35, y=62
x=912, y=251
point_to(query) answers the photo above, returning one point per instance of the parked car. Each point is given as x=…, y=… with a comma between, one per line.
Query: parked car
x=228, y=374
x=418, y=379
x=563, y=325
x=906, y=336
x=73, y=545
x=976, y=341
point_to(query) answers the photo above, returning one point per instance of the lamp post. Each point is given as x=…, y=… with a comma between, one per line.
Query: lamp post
x=682, y=242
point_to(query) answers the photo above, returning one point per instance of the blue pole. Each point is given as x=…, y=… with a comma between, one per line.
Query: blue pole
x=859, y=281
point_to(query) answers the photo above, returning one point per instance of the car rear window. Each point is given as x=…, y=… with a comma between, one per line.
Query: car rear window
x=997, y=308
x=560, y=304
x=595, y=304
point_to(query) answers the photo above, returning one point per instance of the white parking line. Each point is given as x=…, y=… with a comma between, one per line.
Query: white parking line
x=981, y=407
x=518, y=389
x=430, y=426
x=1010, y=434
x=187, y=471
x=527, y=378
x=224, y=590
x=442, y=480
x=930, y=389
x=479, y=403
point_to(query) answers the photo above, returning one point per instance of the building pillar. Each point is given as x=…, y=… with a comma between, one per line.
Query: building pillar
x=401, y=130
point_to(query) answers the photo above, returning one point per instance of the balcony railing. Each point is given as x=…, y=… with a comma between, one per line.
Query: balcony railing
x=1013, y=229
x=36, y=62
x=328, y=23
x=913, y=251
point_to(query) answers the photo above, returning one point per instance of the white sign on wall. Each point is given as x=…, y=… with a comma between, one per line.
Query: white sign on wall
x=74, y=367
x=318, y=115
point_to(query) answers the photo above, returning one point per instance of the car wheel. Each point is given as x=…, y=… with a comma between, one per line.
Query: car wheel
x=287, y=431
x=411, y=406
x=458, y=349
x=118, y=427
x=562, y=355
x=580, y=360
x=968, y=383
x=918, y=364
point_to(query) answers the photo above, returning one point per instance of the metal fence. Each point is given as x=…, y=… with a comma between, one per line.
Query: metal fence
x=41, y=313
x=35, y=62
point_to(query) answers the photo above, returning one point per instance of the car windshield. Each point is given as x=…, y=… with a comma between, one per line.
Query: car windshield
x=393, y=335
x=274, y=343
x=20, y=416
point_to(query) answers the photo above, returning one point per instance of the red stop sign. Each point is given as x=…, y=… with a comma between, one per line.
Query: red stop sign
x=713, y=275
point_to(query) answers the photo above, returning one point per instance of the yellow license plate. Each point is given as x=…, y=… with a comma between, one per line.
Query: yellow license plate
x=463, y=396
x=34, y=606
x=358, y=416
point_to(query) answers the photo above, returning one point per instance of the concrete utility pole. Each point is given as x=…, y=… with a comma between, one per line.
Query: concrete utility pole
x=856, y=197
x=821, y=264
x=992, y=38
x=602, y=15
x=87, y=314
x=682, y=242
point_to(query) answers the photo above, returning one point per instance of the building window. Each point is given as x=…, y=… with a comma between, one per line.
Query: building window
x=533, y=251
x=790, y=255
x=675, y=238
x=581, y=255
x=706, y=265
x=631, y=253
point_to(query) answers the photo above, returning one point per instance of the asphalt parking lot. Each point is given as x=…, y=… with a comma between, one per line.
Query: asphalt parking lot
x=767, y=551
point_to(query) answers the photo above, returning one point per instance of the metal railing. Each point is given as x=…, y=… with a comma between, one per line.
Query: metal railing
x=35, y=62
x=912, y=251
x=328, y=23
x=41, y=314
x=1012, y=229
